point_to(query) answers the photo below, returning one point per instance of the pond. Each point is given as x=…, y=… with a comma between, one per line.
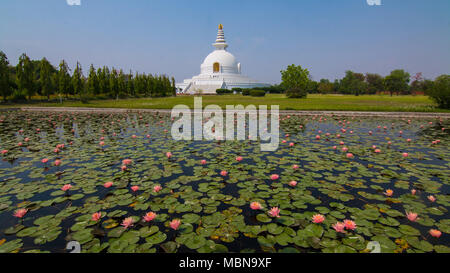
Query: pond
x=335, y=184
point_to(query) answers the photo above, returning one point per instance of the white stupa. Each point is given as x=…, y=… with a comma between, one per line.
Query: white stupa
x=219, y=70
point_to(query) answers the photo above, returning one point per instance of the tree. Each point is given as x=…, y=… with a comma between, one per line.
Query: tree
x=440, y=91
x=92, y=82
x=5, y=82
x=78, y=81
x=113, y=84
x=296, y=80
x=63, y=79
x=374, y=83
x=397, y=81
x=45, y=78
x=353, y=83
x=25, y=76
x=325, y=87
x=295, y=77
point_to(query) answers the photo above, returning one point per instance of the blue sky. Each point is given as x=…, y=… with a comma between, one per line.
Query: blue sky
x=174, y=36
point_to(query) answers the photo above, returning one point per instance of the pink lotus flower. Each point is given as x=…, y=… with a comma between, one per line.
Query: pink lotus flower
x=224, y=173
x=295, y=167
x=349, y=224
x=157, y=188
x=203, y=162
x=318, y=218
x=377, y=151
x=108, y=184
x=435, y=233
x=239, y=158
x=405, y=154
x=27, y=139
x=20, y=213
x=389, y=193
x=133, y=136
x=149, y=216
x=3, y=152
x=274, y=176
x=127, y=162
x=66, y=187
x=431, y=198
x=102, y=143
x=127, y=222
x=283, y=141
x=274, y=212
x=45, y=160
x=96, y=216
x=255, y=206
x=169, y=155
x=318, y=137
x=123, y=168
x=291, y=144
x=174, y=224
x=413, y=192
x=56, y=150
x=344, y=149
x=293, y=183
x=135, y=188
x=349, y=155
x=57, y=162
x=334, y=147
x=20, y=144
x=411, y=216
x=339, y=227
x=341, y=143
x=408, y=140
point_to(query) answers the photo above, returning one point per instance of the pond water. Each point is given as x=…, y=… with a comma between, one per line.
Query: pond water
x=214, y=210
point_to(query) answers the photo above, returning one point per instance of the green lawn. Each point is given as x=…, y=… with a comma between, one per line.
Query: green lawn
x=313, y=102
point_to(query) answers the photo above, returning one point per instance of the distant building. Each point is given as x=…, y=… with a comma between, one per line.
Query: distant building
x=219, y=70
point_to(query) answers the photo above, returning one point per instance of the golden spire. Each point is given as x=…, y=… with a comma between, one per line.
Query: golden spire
x=220, y=26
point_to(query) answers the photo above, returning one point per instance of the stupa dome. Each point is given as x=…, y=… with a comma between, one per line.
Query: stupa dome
x=226, y=61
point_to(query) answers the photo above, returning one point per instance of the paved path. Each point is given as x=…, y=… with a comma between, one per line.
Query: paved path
x=286, y=112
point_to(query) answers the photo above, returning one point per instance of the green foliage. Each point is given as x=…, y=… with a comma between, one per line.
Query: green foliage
x=397, y=82
x=440, y=91
x=246, y=92
x=223, y=91
x=295, y=77
x=5, y=82
x=25, y=75
x=45, y=79
x=237, y=90
x=353, y=83
x=374, y=83
x=296, y=93
x=257, y=93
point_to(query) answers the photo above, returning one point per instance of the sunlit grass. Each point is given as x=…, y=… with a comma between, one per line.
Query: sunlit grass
x=313, y=102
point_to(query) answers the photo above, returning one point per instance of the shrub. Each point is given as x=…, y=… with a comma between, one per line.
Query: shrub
x=246, y=92
x=223, y=91
x=440, y=91
x=237, y=90
x=295, y=93
x=19, y=95
x=257, y=93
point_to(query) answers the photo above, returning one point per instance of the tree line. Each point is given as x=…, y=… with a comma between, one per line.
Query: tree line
x=40, y=77
x=398, y=82
x=298, y=83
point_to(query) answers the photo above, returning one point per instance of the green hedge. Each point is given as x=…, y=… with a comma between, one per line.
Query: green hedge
x=223, y=91
x=257, y=93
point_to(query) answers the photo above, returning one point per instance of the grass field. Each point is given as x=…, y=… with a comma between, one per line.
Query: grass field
x=313, y=102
